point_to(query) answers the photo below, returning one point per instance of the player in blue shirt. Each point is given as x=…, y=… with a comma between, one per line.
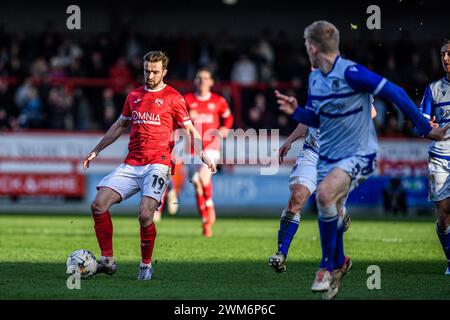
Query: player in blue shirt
x=339, y=103
x=435, y=107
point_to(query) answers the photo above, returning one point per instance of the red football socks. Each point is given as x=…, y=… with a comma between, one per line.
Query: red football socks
x=104, y=231
x=201, y=207
x=207, y=191
x=211, y=212
x=148, y=235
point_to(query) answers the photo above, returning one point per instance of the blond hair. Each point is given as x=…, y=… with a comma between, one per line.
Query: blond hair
x=324, y=35
x=156, y=56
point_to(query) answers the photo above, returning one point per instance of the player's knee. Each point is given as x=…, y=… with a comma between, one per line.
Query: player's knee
x=145, y=217
x=204, y=180
x=198, y=187
x=443, y=220
x=324, y=197
x=297, y=200
x=97, y=207
x=443, y=214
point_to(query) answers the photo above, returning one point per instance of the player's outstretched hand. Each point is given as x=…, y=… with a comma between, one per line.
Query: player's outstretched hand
x=287, y=104
x=284, y=149
x=88, y=159
x=211, y=165
x=433, y=122
x=439, y=134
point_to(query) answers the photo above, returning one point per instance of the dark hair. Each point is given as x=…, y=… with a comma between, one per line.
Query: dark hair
x=156, y=56
x=206, y=69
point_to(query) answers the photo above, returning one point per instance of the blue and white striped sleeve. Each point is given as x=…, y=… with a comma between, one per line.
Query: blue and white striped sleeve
x=427, y=102
x=363, y=80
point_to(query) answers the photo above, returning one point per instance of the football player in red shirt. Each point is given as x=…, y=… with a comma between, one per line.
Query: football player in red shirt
x=212, y=118
x=154, y=111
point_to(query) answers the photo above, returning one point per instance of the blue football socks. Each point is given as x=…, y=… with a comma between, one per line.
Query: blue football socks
x=289, y=223
x=328, y=220
x=444, y=238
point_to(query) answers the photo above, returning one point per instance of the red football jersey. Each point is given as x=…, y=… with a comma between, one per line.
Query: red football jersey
x=154, y=115
x=207, y=113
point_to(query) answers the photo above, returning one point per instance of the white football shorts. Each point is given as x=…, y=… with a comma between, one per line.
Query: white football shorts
x=438, y=179
x=304, y=171
x=359, y=168
x=127, y=180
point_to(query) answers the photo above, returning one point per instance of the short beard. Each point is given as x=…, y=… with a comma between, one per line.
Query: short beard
x=151, y=87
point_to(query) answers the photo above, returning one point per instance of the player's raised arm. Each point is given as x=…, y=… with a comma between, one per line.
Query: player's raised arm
x=113, y=133
x=426, y=109
x=290, y=106
x=363, y=80
x=287, y=104
x=227, y=118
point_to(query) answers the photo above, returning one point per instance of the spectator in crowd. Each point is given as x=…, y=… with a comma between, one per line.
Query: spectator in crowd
x=30, y=112
x=265, y=49
x=96, y=66
x=7, y=104
x=4, y=121
x=391, y=129
x=29, y=104
x=76, y=69
x=60, y=100
x=270, y=59
x=244, y=71
x=257, y=114
x=109, y=109
x=226, y=57
x=120, y=75
x=57, y=69
x=39, y=68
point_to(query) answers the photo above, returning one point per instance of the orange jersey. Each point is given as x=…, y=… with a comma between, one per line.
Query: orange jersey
x=209, y=113
x=154, y=116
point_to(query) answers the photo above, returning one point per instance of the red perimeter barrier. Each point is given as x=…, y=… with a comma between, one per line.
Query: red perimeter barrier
x=43, y=177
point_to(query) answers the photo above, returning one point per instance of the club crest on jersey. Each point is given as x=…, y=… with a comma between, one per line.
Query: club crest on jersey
x=145, y=118
x=211, y=106
x=443, y=90
x=335, y=85
x=159, y=102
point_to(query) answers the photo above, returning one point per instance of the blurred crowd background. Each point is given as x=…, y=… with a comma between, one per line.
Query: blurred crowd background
x=55, y=80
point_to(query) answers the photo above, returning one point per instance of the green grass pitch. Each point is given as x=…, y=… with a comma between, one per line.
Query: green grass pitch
x=231, y=265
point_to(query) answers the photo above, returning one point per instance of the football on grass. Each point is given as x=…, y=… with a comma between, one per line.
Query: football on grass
x=82, y=262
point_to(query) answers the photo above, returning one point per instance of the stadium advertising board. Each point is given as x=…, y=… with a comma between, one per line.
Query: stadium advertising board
x=49, y=164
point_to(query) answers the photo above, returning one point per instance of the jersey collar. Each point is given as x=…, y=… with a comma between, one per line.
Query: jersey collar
x=332, y=68
x=156, y=90
x=204, y=98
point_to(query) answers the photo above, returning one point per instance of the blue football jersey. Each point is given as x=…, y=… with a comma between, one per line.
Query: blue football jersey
x=436, y=103
x=346, y=126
